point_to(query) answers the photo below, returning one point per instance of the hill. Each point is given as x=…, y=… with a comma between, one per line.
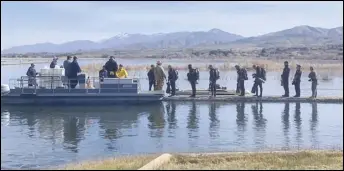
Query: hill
x=296, y=36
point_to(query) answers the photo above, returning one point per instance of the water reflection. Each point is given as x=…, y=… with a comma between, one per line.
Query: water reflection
x=241, y=123
x=192, y=121
x=285, y=124
x=298, y=123
x=156, y=123
x=314, y=125
x=214, y=121
x=259, y=125
x=31, y=122
x=171, y=117
x=74, y=132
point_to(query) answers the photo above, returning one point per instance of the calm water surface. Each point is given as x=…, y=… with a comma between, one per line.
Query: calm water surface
x=46, y=137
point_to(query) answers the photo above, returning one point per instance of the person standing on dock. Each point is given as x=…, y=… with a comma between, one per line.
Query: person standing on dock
x=112, y=67
x=31, y=73
x=242, y=76
x=313, y=78
x=172, y=78
x=214, y=75
x=73, y=72
x=297, y=81
x=285, y=79
x=259, y=79
x=159, y=75
x=192, y=78
x=237, y=90
x=151, y=79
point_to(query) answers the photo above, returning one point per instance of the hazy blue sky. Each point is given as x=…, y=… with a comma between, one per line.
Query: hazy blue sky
x=57, y=22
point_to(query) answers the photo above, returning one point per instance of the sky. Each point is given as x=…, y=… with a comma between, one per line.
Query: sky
x=24, y=23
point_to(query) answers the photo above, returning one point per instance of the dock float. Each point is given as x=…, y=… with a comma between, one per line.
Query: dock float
x=270, y=99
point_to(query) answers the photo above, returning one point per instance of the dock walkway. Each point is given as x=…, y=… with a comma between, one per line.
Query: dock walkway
x=270, y=99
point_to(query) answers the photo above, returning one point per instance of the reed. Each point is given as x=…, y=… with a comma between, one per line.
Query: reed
x=269, y=65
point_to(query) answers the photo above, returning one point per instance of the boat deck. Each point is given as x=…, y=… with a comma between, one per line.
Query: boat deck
x=270, y=99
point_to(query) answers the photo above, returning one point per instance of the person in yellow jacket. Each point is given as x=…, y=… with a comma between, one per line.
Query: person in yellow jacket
x=121, y=72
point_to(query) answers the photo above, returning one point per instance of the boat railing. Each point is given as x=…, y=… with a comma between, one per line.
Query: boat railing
x=26, y=83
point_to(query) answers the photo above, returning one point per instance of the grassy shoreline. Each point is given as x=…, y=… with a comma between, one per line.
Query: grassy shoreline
x=306, y=159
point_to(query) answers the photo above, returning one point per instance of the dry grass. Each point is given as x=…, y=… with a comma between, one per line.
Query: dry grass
x=291, y=161
x=270, y=65
x=121, y=163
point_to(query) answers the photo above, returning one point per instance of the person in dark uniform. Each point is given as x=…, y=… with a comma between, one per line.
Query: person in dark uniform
x=313, y=78
x=53, y=63
x=242, y=76
x=297, y=80
x=285, y=79
x=151, y=78
x=259, y=79
x=237, y=90
x=172, y=78
x=31, y=73
x=74, y=69
x=112, y=67
x=213, y=77
x=192, y=78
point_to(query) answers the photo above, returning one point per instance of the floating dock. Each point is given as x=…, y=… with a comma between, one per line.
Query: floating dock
x=271, y=99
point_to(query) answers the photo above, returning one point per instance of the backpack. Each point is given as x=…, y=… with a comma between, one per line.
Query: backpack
x=217, y=74
x=245, y=74
x=263, y=74
x=197, y=73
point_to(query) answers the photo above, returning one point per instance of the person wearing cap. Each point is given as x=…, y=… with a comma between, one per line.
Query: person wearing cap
x=297, y=80
x=121, y=73
x=313, y=78
x=31, y=73
x=285, y=79
x=53, y=63
x=112, y=67
x=159, y=75
x=74, y=69
x=151, y=79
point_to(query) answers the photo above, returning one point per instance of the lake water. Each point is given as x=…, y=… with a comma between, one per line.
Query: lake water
x=44, y=137
x=333, y=87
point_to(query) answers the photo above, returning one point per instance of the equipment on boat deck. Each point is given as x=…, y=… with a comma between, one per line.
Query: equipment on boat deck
x=5, y=89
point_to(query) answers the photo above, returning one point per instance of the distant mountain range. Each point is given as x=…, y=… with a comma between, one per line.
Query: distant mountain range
x=300, y=35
